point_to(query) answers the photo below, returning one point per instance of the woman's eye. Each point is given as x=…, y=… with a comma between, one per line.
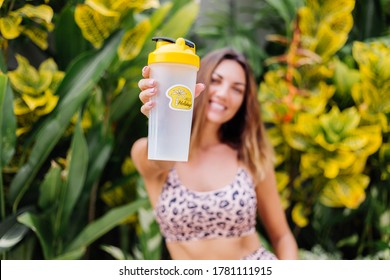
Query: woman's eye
x=238, y=90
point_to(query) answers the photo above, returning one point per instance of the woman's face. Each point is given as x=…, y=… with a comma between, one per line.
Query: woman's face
x=226, y=91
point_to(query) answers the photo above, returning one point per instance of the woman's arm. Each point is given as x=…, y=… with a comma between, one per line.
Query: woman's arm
x=149, y=169
x=273, y=217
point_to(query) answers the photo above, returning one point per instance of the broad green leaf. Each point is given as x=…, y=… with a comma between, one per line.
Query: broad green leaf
x=74, y=89
x=50, y=188
x=123, y=104
x=159, y=15
x=99, y=153
x=11, y=233
x=104, y=224
x=285, y=9
x=73, y=255
x=41, y=226
x=78, y=165
x=100, y=149
x=116, y=252
x=7, y=121
x=180, y=23
x=67, y=31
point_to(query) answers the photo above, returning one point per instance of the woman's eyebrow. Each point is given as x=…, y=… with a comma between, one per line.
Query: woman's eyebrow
x=221, y=77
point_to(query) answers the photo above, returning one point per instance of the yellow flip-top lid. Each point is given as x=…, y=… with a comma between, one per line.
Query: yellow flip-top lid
x=169, y=50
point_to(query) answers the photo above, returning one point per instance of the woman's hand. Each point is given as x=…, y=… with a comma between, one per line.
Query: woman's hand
x=148, y=89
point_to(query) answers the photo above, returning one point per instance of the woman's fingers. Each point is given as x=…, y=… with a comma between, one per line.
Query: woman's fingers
x=199, y=88
x=148, y=90
x=146, y=94
x=145, y=109
x=146, y=72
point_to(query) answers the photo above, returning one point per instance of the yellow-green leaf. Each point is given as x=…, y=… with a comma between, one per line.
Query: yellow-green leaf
x=103, y=7
x=41, y=12
x=94, y=26
x=34, y=102
x=140, y=5
x=26, y=78
x=299, y=215
x=345, y=191
x=20, y=108
x=133, y=40
x=48, y=65
x=10, y=26
x=331, y=168
x=37, y=35
x=296, y=139
x=50, y=103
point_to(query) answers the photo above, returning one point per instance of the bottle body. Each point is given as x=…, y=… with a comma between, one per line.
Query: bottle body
x=170, y=120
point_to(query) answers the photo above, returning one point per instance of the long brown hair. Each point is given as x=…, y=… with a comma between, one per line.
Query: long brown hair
x=245, y=132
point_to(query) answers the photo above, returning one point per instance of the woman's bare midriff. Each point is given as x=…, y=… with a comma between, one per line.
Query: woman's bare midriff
x=214, y=249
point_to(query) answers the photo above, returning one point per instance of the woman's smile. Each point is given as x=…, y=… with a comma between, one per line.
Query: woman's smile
x=216, y=106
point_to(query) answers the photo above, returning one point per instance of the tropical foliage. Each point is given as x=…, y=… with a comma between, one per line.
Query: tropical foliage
x=326, y=132
x=70, y=113
x=67, y=124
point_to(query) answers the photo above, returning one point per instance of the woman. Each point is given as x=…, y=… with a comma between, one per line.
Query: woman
x=207, y=207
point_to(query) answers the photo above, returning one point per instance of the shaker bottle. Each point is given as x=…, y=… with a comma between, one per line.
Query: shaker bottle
x=174, y=66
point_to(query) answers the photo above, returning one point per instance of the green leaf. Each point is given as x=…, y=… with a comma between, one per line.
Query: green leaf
x=74, y=89
x=11, y=233
x=77, y=173
x=50, y=188
x=123, y=103
x=185, y=16
x=285, y=9
x=116, y=252
x=73, y=255
x=295, y=138
x=69, y=41
x=7, y=121
x=41, y=226
x=100, y=149
x=159, y=15
x=104, y=224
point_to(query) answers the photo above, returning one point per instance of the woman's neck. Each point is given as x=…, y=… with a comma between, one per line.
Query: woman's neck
x=210, y=136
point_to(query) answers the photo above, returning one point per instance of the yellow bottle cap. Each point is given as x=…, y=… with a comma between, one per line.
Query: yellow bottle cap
x=169, y=50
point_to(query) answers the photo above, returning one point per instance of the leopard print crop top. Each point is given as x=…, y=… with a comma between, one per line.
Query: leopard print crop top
x=185, y=215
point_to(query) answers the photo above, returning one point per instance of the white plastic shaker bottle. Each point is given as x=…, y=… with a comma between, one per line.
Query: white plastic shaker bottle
x=174, y=66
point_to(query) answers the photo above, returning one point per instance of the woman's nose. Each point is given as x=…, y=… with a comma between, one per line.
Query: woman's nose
x=222, y=91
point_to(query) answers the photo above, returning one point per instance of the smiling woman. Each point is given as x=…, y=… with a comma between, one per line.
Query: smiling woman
x=211, y=202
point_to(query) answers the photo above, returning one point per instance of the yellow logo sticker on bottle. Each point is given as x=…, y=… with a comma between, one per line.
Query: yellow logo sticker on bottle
x=180, y=98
